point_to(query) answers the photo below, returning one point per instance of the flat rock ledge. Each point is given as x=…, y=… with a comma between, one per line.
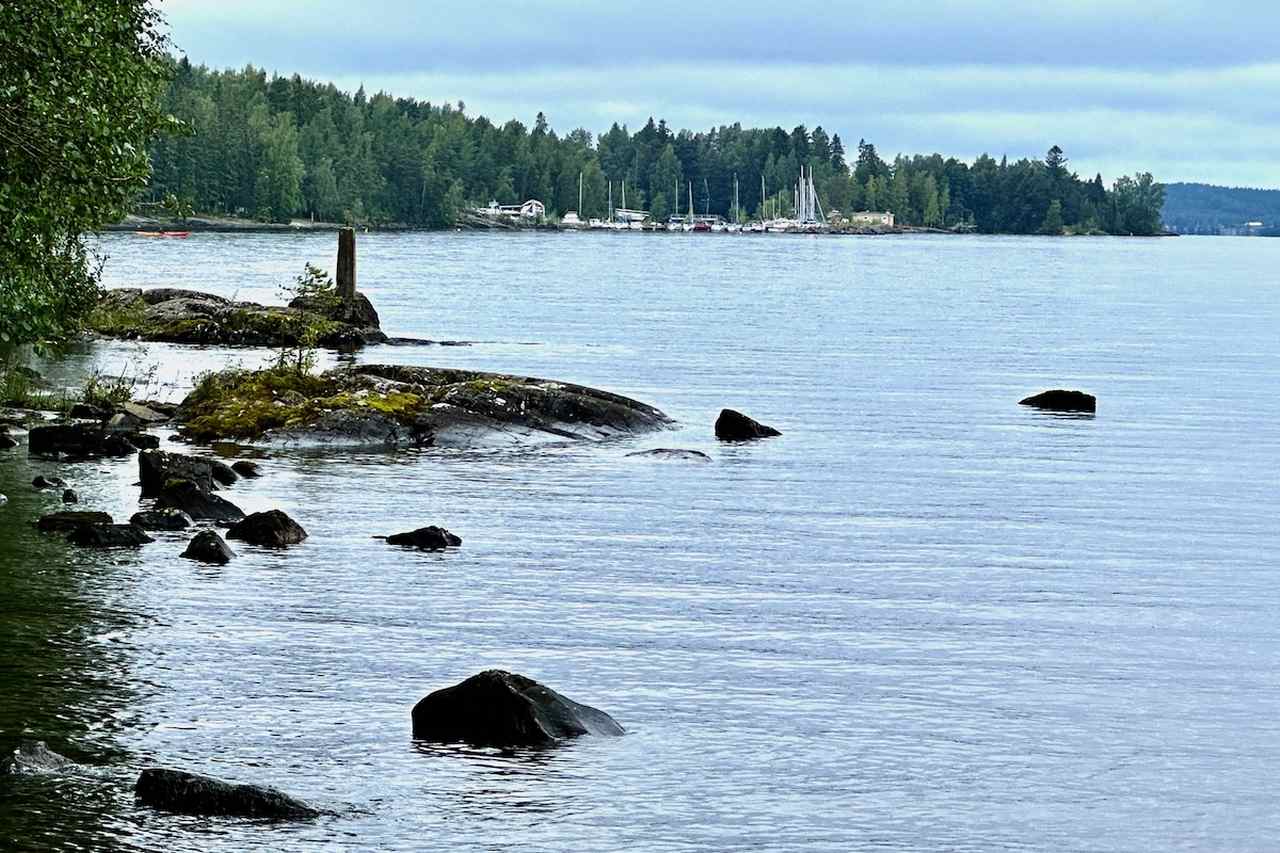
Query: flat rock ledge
x=393, y=406
x=503, y=709
x=191, y=317
x=193, y=794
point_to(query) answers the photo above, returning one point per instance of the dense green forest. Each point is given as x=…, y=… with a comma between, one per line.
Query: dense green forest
x=1206, y=209
x=80, y=85
x=277, y=147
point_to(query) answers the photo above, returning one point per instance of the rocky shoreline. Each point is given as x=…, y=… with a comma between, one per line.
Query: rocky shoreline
x=369, y=406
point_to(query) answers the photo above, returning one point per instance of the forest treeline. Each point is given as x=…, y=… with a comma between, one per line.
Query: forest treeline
x=1208, y=209
x=275, y=147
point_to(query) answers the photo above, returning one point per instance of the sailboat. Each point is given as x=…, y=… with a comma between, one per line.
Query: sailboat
x=571, y=218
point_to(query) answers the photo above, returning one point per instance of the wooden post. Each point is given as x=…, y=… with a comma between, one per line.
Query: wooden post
x=347, y=264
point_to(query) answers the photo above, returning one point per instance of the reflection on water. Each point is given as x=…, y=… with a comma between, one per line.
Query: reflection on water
x=924, y=618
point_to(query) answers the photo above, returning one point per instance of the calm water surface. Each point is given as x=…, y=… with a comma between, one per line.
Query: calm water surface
x=924, y=618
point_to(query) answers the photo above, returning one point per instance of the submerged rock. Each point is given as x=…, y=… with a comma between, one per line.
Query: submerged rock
x=497, y=708
x=7, y=442
x=191, y=793
x=271, y=529
x=69, y=496
x=162, y=519
x=735, y=426
x=245, y=468
x=1059, y=400
x=208, y=547
x=3, y=500
x=426, y=538
x=41, y=482
x=69, y=520
x=79, y=441
x=108, y=536
x=672, y=454
x=391, y=406
x=190, y=317
x=35, y=757
x=196, y=502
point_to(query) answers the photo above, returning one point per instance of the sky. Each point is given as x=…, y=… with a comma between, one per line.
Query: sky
x=1185, y=89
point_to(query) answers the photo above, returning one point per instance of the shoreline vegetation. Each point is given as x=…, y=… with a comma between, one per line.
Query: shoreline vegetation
x=276, y=149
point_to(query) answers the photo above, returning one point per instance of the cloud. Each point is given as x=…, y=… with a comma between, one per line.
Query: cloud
x=1186, y=90
x=385, y=36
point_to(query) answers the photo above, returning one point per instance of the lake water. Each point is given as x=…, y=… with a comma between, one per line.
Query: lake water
x=924, y=618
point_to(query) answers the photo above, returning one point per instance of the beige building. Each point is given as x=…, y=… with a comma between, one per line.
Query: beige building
x=872, y=218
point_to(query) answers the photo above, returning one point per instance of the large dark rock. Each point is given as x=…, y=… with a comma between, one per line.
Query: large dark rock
x=1059, y=400
x=144, y=414
x=78, y=441
x=223, y=474
x=208, y=547
x=69, y=520
x=144, y=440
x=162, y=519
x=427, y=538
x=88, y=412
x=497, y=708
x=42, y=482
x=108, y=536
x=193, y=794
x=358, y=312
x=35, y=757
x=735, y=426
x=7, y=442
x=190, y=317
x=672, y=454
x=157, y=467
x=271, y=529
x=397, y=406
x=200, y=504
x=124, y=422
x=245, y=468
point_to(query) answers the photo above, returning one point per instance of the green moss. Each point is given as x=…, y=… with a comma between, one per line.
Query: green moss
x=247, y=405
x=493, y=386
x=118, y=317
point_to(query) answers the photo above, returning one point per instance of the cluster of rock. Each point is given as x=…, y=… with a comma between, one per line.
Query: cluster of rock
x=191, y=317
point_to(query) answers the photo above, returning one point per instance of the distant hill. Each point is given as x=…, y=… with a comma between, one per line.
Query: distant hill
x=1206, y=209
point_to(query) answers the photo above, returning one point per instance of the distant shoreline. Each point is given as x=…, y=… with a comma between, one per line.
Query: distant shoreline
x=231, y=225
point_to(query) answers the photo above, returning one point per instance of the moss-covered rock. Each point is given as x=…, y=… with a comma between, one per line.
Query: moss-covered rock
x=190, y=317
x=394, y=406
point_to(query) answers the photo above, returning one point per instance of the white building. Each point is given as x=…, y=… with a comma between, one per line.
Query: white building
x=872, y=218
x=531, y=209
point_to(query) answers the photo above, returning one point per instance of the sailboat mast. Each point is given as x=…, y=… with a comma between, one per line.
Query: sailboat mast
x=580, y=210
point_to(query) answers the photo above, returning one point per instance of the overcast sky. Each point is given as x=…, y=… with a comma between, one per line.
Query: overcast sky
x=1186, y=89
